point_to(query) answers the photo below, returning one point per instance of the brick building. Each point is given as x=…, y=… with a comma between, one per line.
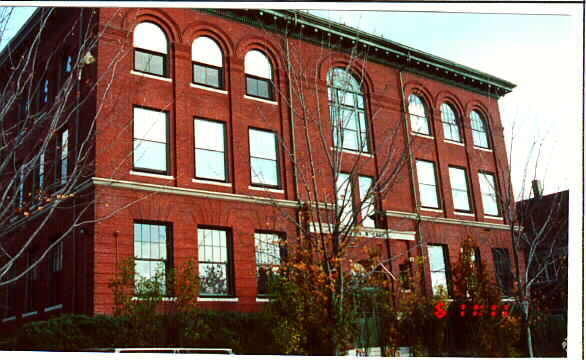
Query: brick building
x=193, y=127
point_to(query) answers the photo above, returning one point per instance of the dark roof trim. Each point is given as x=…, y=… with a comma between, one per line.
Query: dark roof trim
x=21, y=35
x=386, y=51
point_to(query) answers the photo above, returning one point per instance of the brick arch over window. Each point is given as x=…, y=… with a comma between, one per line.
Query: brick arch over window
x=195, y=30
x=447, y=96
x=354, y=66
x=135, y=16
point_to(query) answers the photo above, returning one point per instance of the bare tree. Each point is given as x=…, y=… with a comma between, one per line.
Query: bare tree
x=340, y=174
x=50, y=99
x=539, y=232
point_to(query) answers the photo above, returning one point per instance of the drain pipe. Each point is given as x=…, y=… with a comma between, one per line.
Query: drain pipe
x=419, y=240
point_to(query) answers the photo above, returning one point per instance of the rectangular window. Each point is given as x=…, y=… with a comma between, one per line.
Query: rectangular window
x=367, y=204
x=20, y=189
x=31, y=282
x=344, y=199
x=426, y=176
x=151, y=149
x=459, y=182
x=150, y=62
x=489, y=194
x=63, y=156
x=55, y=272
x=214, y=255
x=152, y=251
x=264, y=166
x=207, y=75
x=210, y=147
x=348, y=120
x=438, y=263
x=502, y=265
x=258, y=87
x=269, y=254
x=405, y=276
x=41, y=170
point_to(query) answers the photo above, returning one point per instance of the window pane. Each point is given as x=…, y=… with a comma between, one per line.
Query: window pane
x=209, y=135
x=213, y=279
x=264, y=171
x=150, y=155
x=210, y=164
x=149, y=63
x=251, y=86
x=150, y=125
x=206, y=51
x=460, y=200
x=257, y=64
x=150, y=37
x=364, y=184
x=479, y=130
x=350, y=140
x=263, y=89
x=489, y=197
x=426, y=172
x=428, y=196
x=213, y=77
x=262, y=144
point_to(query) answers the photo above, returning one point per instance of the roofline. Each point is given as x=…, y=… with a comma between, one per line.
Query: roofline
x=419, y=61
x=20, y=35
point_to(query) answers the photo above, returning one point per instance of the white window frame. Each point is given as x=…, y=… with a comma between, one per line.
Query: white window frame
x=440, y=275
x=455, y=171
x=480, y=130
x=150, y=39
x=423, y=183
x=216, y=245
x=210, y=144
x=451, y=124
x=207, y=55
x=256, y=177
x=418, y=115
x=150, y=137
x=269, y=254
x=489, y=192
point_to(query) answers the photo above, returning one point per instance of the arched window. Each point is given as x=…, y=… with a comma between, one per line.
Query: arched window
x=150, y=49
x=259, y=75
x=347, y=111
x=450, y=124
x=479, y=130
x=418, y=115
x=208, y=63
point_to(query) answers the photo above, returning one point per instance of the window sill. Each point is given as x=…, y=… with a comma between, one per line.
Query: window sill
x=422, y=135
x=137, y=73
x=140, y=173
x=482, y=149
x=493, y=217
x=29, y=314
x=432, y=209
x=263, y=300
x=218, y=299
x=11, y=318
x=211, y=182
x=207, y=88
x=258, y=188
x=453, y=142
x=464, y=214
x=365, y=154
x=54, y=308
x=164, y=298
x=272, y=102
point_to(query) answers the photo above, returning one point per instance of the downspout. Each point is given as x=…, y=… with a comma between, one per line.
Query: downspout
x=292, y=121
x=412, y=176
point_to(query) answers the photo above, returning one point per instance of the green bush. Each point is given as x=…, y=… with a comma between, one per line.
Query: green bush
x=239, y=331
